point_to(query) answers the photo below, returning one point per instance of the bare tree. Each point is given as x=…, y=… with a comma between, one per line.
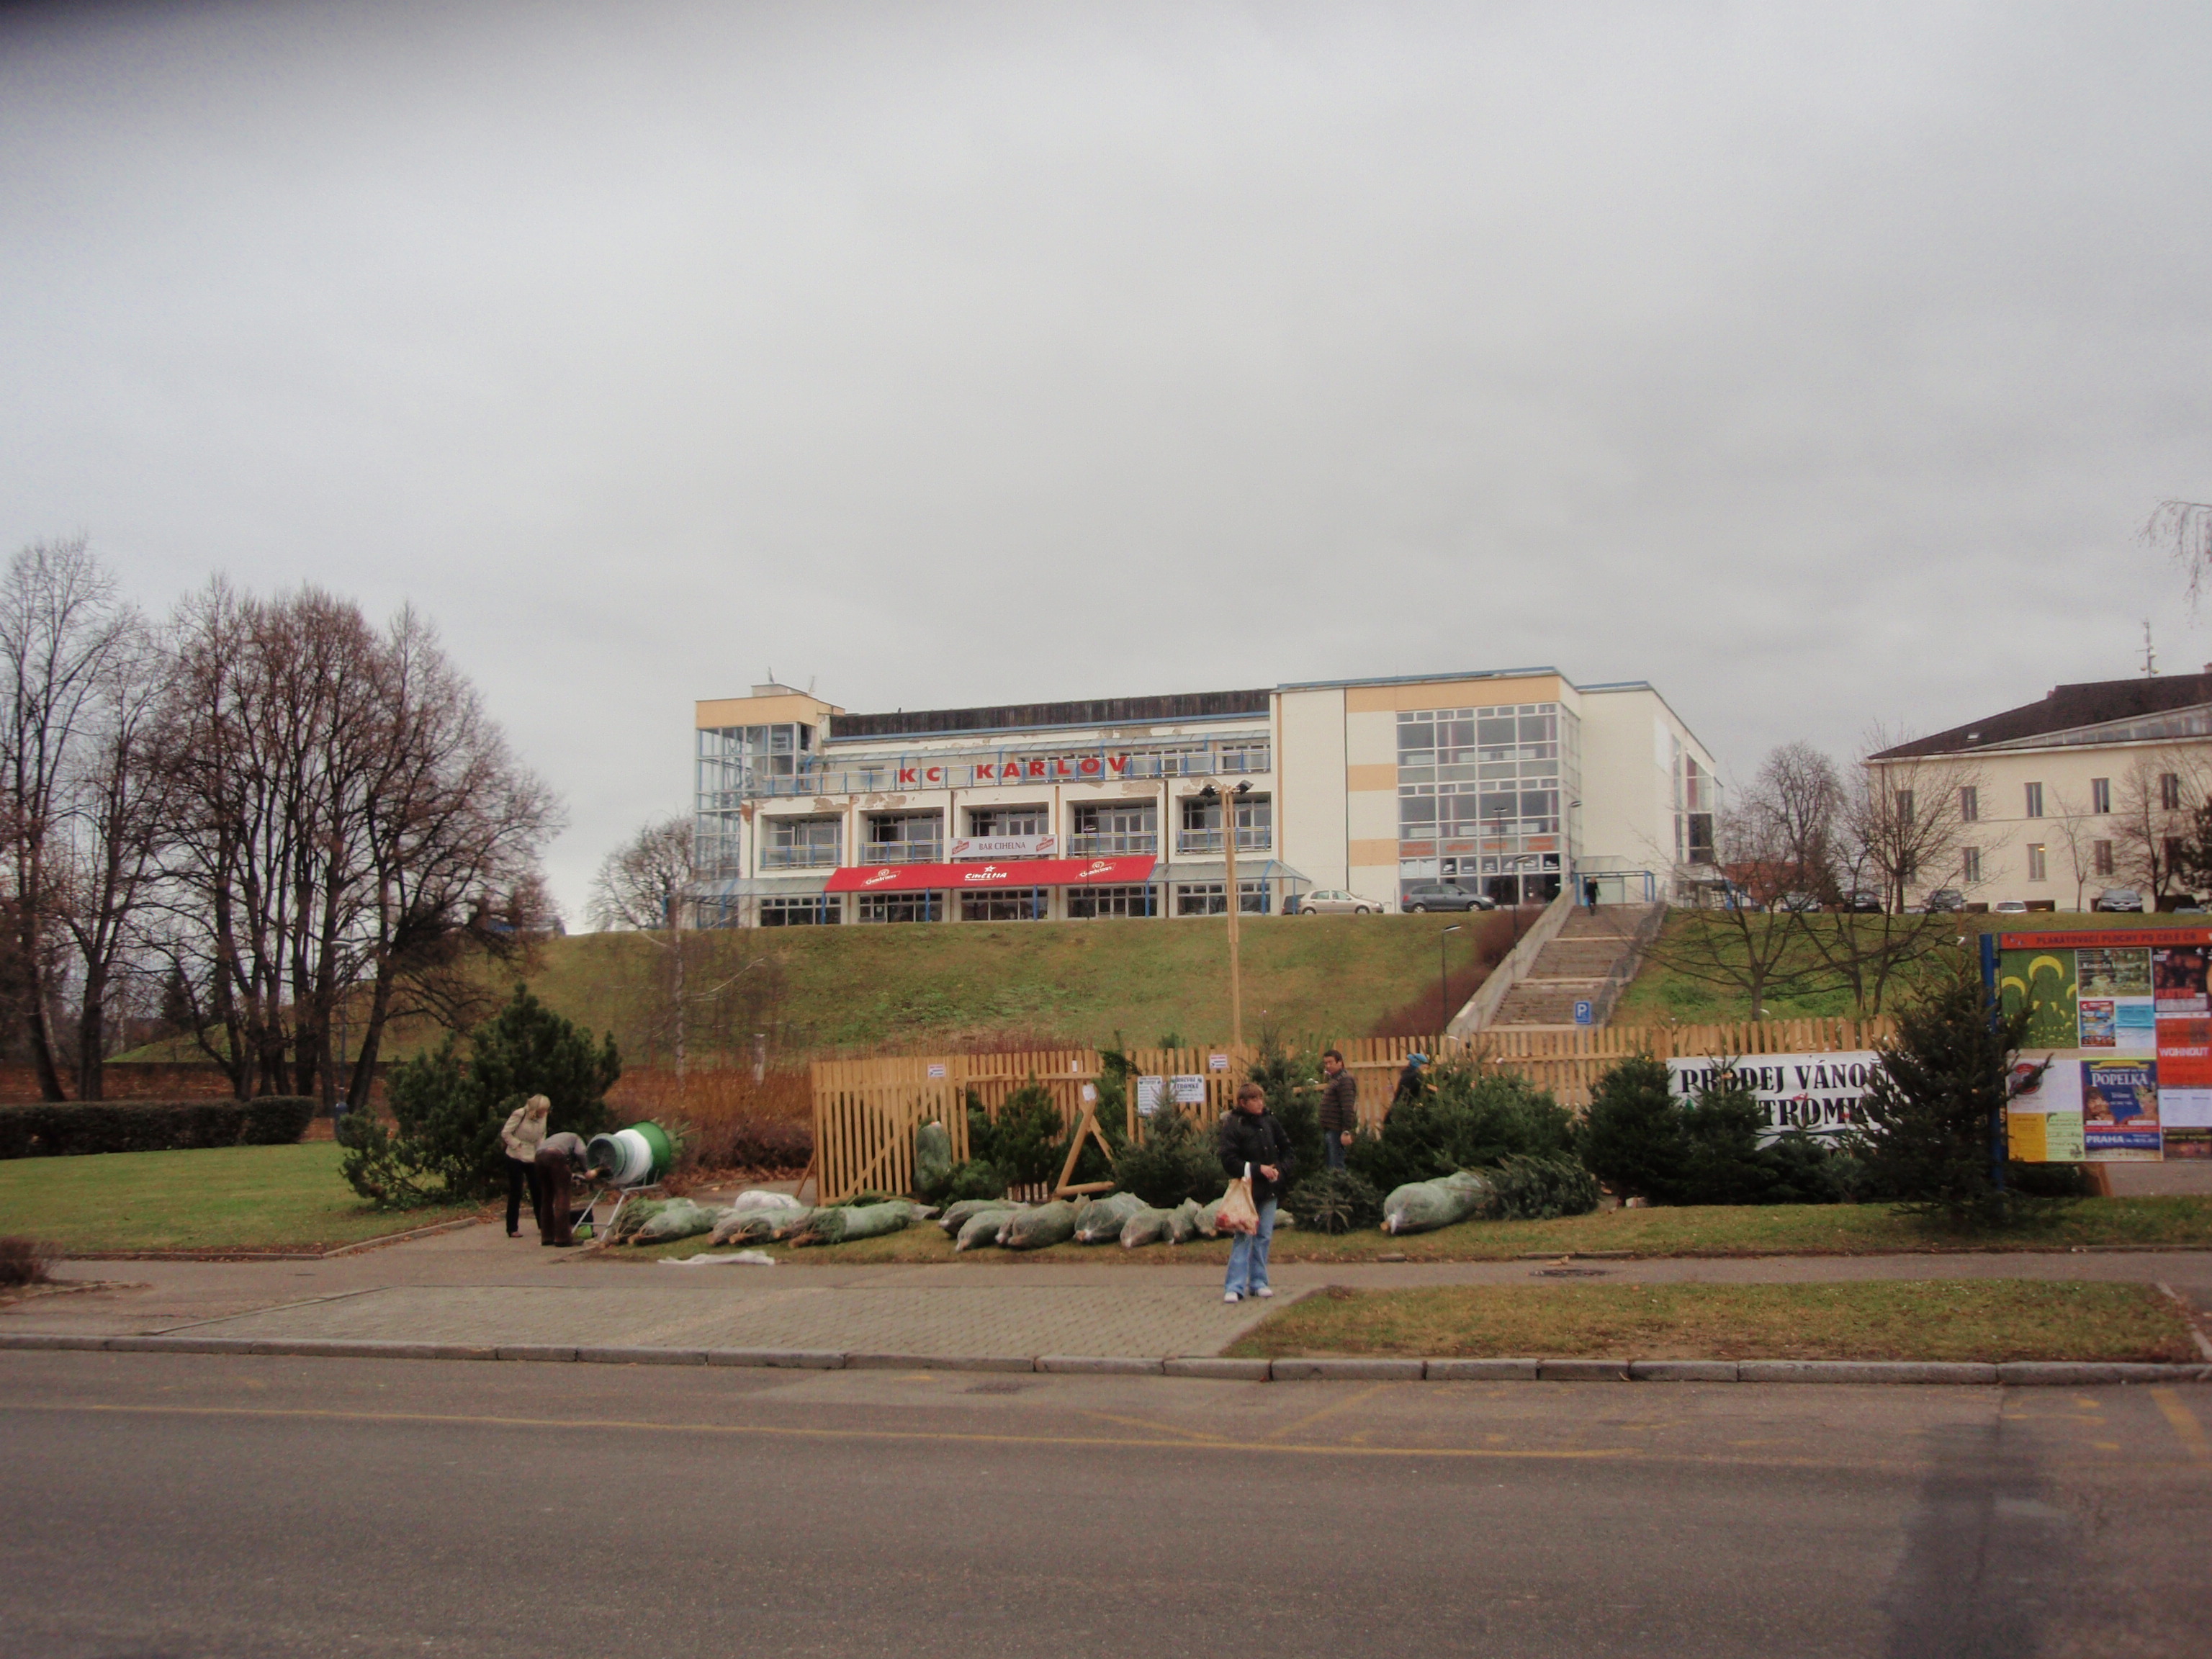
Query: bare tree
x=1906, y=825
x=2185, y=529
x=1734, y=944
x=2153, y=816
x=646, y=883
x=1800, y=792
x=119, y=814
x=2076, y=832
x=61, y=625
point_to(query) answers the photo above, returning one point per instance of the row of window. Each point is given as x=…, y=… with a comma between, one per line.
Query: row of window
x=1190, y=898
x=2170, y=797
x=1098, y=829
x=2101, y=862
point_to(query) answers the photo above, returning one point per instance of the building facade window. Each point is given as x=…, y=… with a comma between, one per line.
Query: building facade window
x=1905, y=807
x=1007, y=904
x=801, y=909
x=2101, y=795
x=1254, y=815
x=2100, y=856
x=1211, y=898
x=2169, y=792
x=2035, y=871
x=1489, y=780
x=1970, y=805
x=901, y=907
x=1970, y=863
x=1085, y=902
x=801, y=843
x=1110, y=828
x=904, y=838
x=2034, y=800
x=1009, y=821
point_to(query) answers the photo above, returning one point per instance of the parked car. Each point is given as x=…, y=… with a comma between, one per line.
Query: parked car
x=2118, y=898
x=2009, y=908
x=1799, y=901
x=1943, y=902
x=1443, y=895
x=1864, y=901
x=1329, y=901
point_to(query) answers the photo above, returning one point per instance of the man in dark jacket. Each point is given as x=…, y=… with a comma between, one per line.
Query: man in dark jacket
x=1340, y=1106
x=1251, y=1139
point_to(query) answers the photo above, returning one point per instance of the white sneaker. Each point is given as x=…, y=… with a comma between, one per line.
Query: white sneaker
x=1263, y=1293
x=1230, y=1296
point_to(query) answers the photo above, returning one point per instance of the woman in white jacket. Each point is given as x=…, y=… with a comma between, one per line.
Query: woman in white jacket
x=525, y=1132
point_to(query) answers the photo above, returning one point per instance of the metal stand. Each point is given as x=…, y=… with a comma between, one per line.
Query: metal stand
x=622, y=1195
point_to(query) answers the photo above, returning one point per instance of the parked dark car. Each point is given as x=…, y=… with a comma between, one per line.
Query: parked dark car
x=1865, y=903
x=1944, y=900
x=1443, y=895
x=2118, y=898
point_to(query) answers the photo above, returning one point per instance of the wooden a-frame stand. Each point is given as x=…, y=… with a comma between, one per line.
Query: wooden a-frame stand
x=1086, y=1125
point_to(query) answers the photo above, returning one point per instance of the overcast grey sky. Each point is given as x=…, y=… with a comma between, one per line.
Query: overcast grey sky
x=1816, y=363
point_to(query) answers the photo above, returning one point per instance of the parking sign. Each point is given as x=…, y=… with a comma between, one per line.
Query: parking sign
x=1585, y=1014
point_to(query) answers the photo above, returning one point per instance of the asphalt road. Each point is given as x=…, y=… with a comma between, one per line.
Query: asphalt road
x=186, y=1505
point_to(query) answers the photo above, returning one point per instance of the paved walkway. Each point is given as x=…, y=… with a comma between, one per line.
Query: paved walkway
x=477, y=1286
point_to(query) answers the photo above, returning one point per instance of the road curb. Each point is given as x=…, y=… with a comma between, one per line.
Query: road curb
x=2038, y=1373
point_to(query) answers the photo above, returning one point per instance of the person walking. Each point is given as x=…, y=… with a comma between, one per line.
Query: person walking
x=524, y=1133
x=561, y=1162
x=1252, y=1139
x=1590, y=891
x=1340, y=1106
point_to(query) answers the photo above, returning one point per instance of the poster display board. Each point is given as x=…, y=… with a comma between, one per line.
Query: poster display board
x=2116, y=1065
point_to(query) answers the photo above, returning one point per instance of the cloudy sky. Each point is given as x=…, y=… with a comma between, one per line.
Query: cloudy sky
x=1819, y=364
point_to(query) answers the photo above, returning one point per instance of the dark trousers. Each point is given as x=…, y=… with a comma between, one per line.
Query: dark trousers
x=518, y=1176
x=1332, y=1143
x=553, y=1180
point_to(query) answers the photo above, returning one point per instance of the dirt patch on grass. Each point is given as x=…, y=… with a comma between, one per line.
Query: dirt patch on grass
x=1916, y=1319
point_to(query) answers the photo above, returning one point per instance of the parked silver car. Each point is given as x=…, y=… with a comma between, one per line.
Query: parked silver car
x=2118, y=898
x=1333, y=902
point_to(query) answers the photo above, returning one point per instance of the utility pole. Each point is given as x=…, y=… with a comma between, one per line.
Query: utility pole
x=1228, y=805
x=1443, y=994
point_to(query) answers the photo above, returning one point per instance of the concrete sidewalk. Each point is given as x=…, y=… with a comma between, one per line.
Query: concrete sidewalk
x=476, y=1286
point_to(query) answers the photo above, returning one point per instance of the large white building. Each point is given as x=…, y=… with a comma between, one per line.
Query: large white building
x=1504, y=782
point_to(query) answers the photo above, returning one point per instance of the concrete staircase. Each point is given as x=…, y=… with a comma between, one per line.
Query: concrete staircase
x=1591, y=959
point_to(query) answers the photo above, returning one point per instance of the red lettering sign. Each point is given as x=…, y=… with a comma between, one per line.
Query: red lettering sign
x=906, y=775
x=1119, y=762
x=935, y=775
x=1036, y=769
x=984, y=774
x=1088, y=765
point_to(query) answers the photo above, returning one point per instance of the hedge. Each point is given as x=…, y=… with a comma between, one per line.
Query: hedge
x=65, y=1128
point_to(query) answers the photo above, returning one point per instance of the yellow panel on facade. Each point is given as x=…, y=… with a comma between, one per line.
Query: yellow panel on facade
x=1451, y=694
x=1372, y=777
x=795, y=709
x=1373, y=852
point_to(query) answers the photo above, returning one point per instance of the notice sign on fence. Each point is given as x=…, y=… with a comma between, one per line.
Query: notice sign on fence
x=1152, y=1095
x=936, y=1070
x=1818, y=1093
x=1216, y=1062
x=1189, y=1090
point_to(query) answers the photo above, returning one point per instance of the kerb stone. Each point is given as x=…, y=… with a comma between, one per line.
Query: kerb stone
x=1346, y=1371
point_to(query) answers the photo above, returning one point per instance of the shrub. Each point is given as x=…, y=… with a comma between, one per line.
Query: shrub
x=1932, y=1109
x=447, y=1116
x=1178, y=1160
x=1027, y=1139
x=22, y=1261
x=1631, y=1138
x=974, y=1179
x=1541, y=1188
x=1466, y=1118
x=753, y=1143
x=66, y=1128
x=1335, y=1201
x=1292, y=1085
x=1642, y=1142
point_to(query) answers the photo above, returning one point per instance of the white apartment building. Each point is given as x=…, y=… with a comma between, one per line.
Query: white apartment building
x=2057, y=800
x=1506, y=782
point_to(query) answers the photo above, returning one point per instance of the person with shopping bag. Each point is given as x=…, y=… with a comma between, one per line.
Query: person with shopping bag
x=1255, y=1151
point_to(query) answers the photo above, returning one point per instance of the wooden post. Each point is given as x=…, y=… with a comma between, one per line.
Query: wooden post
x=1235, y=912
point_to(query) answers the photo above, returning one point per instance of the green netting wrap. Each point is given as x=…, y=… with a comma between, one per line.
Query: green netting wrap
x=757, y=1225
x=1420, y=1206
x=1209, y=1218
x=932, y=1157
x=1147, y=1226
x=842, y=1224
x=634, y=1214
x=783, y=1224
x=677, y=1218
x=981, y=1228
x=1033, y=1229
x=1098, y=1220
x=956, y=1215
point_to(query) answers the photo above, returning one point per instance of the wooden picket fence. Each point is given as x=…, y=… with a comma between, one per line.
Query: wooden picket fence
x=867, y=1111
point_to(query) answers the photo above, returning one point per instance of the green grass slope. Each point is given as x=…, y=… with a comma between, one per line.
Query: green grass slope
x=831, y=988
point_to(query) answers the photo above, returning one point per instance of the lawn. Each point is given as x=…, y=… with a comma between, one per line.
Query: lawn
x=1935, y=1319
x=229, y=1198
x=1662, y=991
x=1768, y=1229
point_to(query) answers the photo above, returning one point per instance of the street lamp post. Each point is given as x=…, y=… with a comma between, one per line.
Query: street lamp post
x=1443, y=992
x=1211, y=796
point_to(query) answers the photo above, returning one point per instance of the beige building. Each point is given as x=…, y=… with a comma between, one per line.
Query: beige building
x=1504, y=783
x=2054, y=802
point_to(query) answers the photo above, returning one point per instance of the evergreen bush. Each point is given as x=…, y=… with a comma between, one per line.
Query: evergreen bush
x=1178, y=1160
x=1466, y=1118
x=70, y=1129
x=1642, y=1142
x=1335, y=1201
x=1540, y=1189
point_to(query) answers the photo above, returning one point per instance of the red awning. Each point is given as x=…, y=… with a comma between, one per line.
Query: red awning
x=968, y=877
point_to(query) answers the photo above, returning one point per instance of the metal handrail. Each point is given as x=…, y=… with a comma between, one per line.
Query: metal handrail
x=1209, y=841
x=1105, y=845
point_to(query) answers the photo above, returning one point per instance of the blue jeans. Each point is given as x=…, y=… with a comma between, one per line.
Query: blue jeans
x=1248, y=1257
x=1332, y=1143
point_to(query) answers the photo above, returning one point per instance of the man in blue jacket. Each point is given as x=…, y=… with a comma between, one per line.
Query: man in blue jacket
x=1252, y=1139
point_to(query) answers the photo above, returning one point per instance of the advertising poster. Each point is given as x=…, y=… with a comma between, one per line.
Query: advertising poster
x=2113, y=973
x=2043, y=982
x=1152, y=1095
x=2178, y=980
x=2120, y=1110
x=2043, y=1120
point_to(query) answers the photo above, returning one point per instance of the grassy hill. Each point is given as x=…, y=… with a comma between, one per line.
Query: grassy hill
x=826, y=989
